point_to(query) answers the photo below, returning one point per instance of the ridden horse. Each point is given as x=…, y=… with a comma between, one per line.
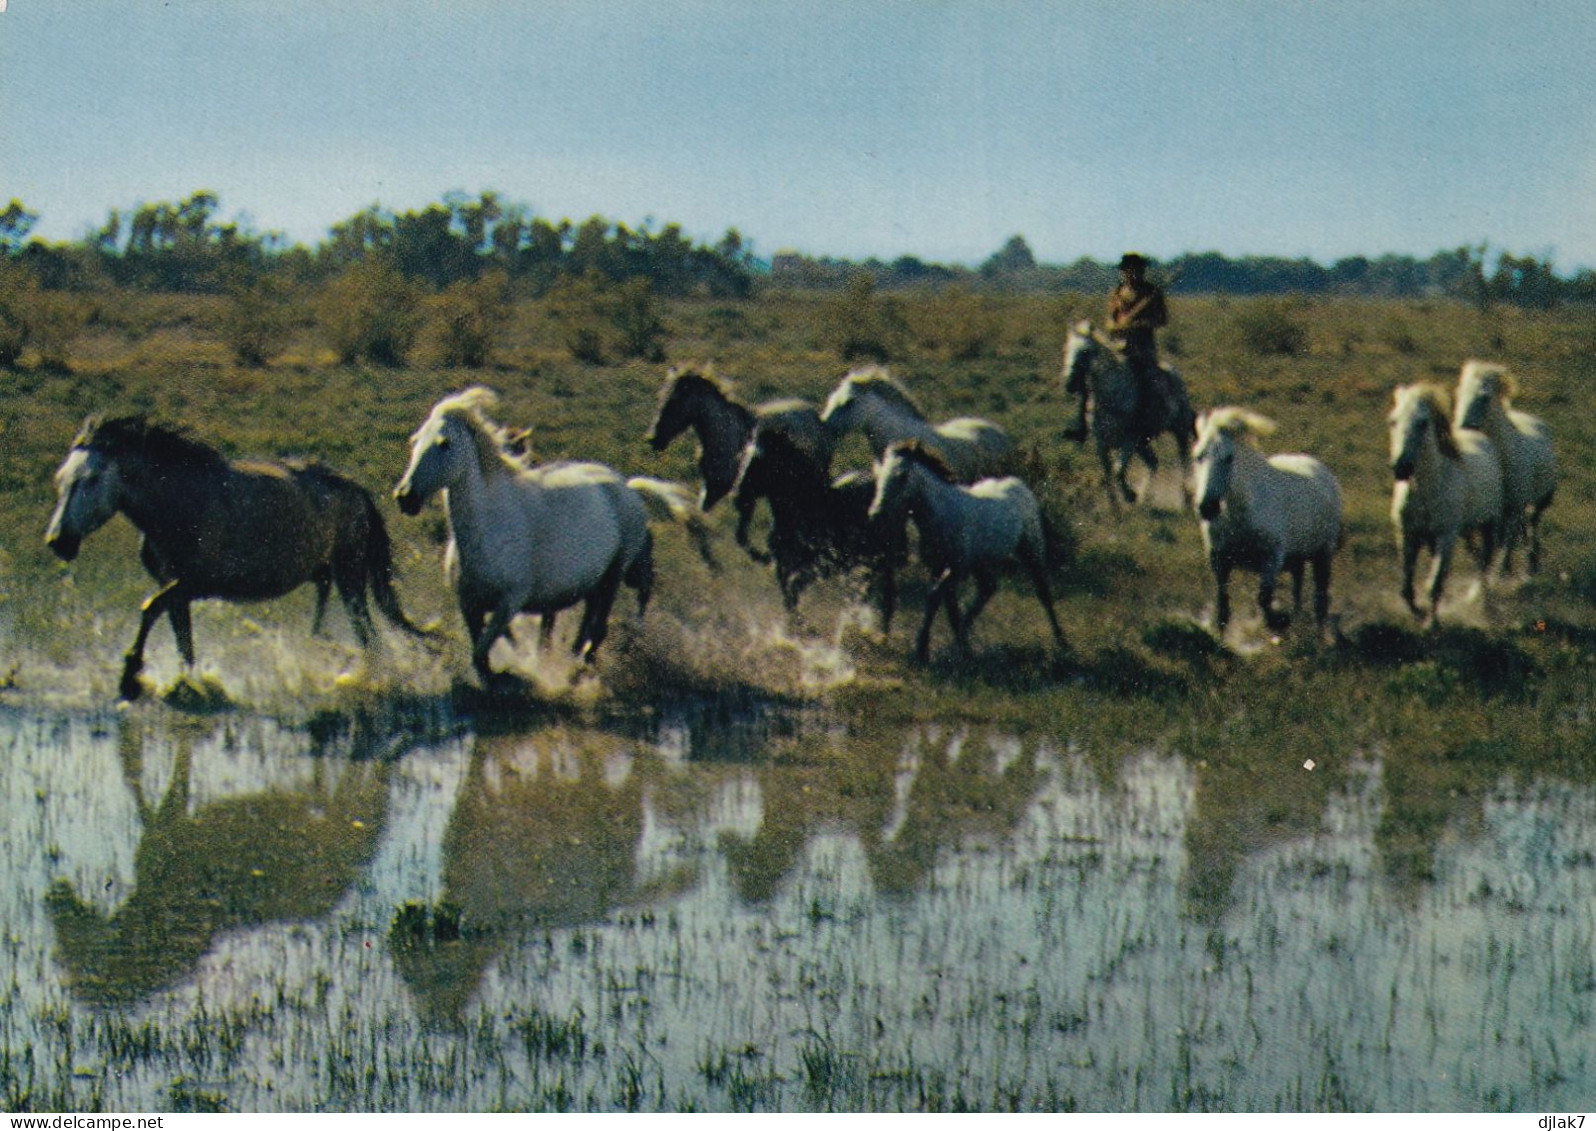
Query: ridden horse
x=1524, y=444
x=693, y=397
x=819, y=525
x=964, y=531
x=1448, y=483
x=1120, y=421
x=1263, y=514
x=871, y=401
x=213, y=528
x=526, y=539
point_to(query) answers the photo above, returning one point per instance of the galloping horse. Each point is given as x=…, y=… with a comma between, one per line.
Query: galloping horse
x=1524, y=444
x=526, y=539
x=871, y=401
x=212, y=528
x=1263, y=514
x=964, y=531
x=693, y=397
x=1448, y=483
x=819, y=525
x=1120, y=421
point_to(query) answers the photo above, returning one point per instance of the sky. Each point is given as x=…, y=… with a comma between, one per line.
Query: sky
x=857, y=128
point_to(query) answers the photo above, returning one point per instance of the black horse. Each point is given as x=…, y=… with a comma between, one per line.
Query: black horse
x=820, y=526
x=213, y=528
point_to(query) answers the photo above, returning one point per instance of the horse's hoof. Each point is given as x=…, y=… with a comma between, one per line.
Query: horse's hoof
x=1277, y=622
x=131, y=690
x=1077, y=434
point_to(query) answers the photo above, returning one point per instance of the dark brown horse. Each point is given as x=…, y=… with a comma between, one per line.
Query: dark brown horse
x=819, y=525
x=244, y=531
x=693, y=397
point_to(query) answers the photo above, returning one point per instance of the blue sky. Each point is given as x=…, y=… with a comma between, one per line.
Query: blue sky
x=934, y=128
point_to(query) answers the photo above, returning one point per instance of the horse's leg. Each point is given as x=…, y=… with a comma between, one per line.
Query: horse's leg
x=888, y=604
x=1534, y=533
x=1442, y=549
x=1183, y=449
x=985, y=586
x=1295, y=568
x=323, y=591
x=596, y=614
x=745, y=516
x=1267, y=579
x=133, y=662
x=1125, y=454
x=351, y=584
x=639, y=577
x=1321, y=586
x=498, y=623
x=1108, y=473
x=1044, y=593
x=933, y=599
x=1221, y=569
x=950, y=599
x=1410, y=565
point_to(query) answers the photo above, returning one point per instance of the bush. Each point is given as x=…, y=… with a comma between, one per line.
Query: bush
x=578, y=309
x=1272, y=327
x=31, y=316
x=256, y=324
x=963, y=325
x=371, y=311
x=635, y=316
x=471, y=316
x=861, y=327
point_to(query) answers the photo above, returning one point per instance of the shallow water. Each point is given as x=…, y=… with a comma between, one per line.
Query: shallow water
x=721, y=907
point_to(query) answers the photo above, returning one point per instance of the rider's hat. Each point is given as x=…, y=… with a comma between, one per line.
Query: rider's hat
x=1132, y=259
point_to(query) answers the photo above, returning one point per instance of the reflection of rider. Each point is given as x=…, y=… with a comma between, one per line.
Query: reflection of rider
x=1136, y=308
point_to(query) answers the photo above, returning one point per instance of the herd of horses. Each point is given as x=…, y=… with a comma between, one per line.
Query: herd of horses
x=537, y=538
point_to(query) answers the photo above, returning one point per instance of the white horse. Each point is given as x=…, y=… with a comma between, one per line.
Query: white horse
x=526, y=540
x=873, y=402
x=1529, y=467
x=964, y=531
x=1263, y=514
x=1120, y=422
x=1448, y=483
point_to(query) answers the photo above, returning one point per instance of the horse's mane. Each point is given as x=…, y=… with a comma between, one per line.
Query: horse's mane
x=158, y=442
x=875, y=379
x=1237, y=422
x=1439, y=402
x=696, y=373
x=1489, y=373
x=494, y=443
x=928, y=458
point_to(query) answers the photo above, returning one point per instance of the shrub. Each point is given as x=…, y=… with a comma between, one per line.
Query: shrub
x=635, y=316
x=578, y=309
x=256, y=324
x=861, y=327
x=471, y=316
x=371, y=311
x=966, y=326
x=1272, y=326
x=19, y=294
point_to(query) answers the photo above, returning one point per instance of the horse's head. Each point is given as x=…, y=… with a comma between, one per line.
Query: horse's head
x=683, y=386
x=1417, y=412
x=1080, y=350
x=1220, y=433
x=1480, y=384
x=88, y=492
x=901, y=475
x=441, y=447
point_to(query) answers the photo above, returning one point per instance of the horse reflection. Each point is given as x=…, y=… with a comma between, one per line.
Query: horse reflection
x=281, y=855
x=544, y=833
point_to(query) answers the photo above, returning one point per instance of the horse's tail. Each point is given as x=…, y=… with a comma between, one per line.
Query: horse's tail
x=666, y=501
x=380, y=571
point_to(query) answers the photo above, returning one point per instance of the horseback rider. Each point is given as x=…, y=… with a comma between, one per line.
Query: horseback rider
x=1136, y=308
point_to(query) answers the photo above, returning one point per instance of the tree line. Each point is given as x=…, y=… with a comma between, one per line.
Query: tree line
x=185, y=246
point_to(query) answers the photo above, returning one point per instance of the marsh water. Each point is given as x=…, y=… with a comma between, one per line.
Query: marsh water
x=754, y=907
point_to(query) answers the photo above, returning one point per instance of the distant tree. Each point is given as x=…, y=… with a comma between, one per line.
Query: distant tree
x=1011, y=259
x=15, y=224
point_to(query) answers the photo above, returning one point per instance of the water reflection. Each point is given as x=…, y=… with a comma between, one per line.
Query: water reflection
x=915, y=910
x=286, y=852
